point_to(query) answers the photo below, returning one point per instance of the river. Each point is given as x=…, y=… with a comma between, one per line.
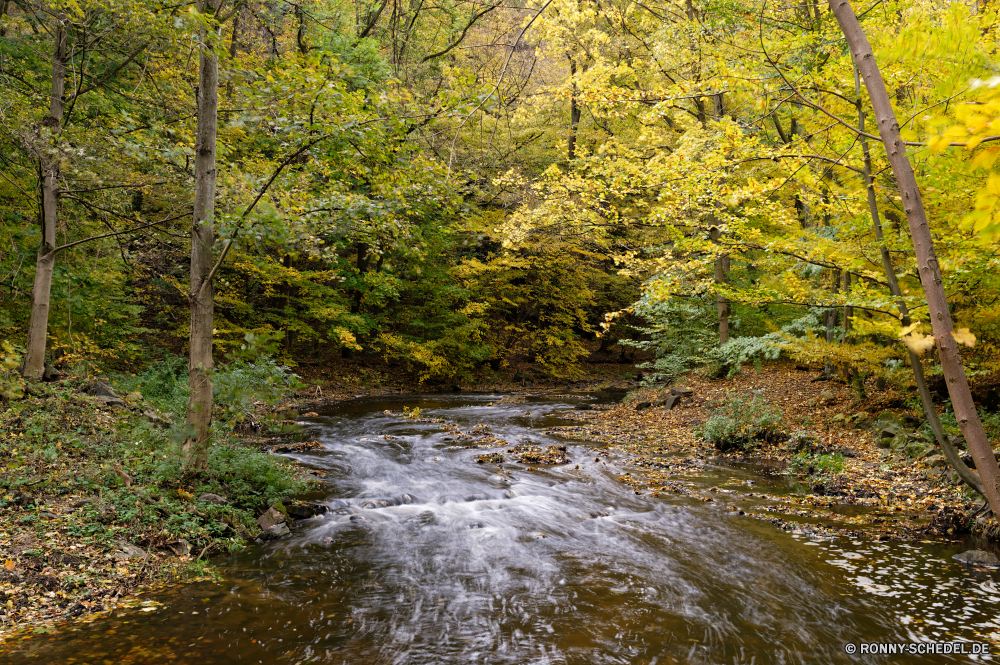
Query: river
x=557, y=564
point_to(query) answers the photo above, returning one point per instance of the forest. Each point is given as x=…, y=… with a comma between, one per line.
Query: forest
x=211, y=207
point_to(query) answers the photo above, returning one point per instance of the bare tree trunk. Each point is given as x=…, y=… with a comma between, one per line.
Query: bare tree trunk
x=927, y=402
x=34, y=359
x=722, y=264
x=574, y=112
x=717, y=106
x=199, y=417
x=923, y=244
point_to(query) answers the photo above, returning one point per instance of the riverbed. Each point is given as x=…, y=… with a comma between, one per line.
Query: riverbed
x=427, y=556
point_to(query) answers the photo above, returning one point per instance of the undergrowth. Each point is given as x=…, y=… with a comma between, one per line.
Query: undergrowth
x=740, y=423
x=58, y=442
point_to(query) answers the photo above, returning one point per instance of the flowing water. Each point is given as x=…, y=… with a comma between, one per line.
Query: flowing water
x=429, y=557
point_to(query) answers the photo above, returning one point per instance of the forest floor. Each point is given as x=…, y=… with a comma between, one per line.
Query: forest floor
x=895, y=488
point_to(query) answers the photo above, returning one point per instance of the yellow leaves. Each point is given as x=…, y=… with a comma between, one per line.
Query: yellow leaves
x=915, y=340
x=964, y=336
x=920, y=343
x=9, y=564
x=985, y=158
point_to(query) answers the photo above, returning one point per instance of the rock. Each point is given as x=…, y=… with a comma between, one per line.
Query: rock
x=112, y=402
x=971, y=463
x=643, y=405
x=272, y=517
x=936, y=460
x=918, y=450
x=84, y=502
x=583, y=407
x=911, y=421
x=888, y=433
x=978, y=557
x=669, y=402
x=50, y=373
x=180, y=548
x=683, y=391
x=100, y=389
x=884, y=443
x=129, y=551
x=208, y=497
x=157, y=419
x=301, y=511
x=275, y=532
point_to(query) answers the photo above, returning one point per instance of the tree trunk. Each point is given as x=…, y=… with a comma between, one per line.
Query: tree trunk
x=722, y=265
x=199, y=417
x=34, y=359
x=923, y=244
x=717, y=106
x=574, y=112
x=927, y=402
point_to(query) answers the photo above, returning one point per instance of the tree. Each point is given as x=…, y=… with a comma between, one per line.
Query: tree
x=202, y=294
x=90, y=44
x=923, y=242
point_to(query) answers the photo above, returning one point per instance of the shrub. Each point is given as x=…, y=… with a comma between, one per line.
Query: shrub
x=238, y=385
x=826, y=464
x=241, y=383
x=740, y=422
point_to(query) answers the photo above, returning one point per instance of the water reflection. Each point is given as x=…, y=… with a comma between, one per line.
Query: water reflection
x=428, y=557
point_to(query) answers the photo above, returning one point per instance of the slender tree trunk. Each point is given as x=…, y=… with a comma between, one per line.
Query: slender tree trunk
x=34, y=359
x=574, y=112
x=927, y=402
x=233, y=49
x=199, y=417
x=722, y=264
x=831, y=317
x=923, y=244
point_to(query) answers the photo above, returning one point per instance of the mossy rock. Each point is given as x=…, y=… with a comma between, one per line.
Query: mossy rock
x=918, y=450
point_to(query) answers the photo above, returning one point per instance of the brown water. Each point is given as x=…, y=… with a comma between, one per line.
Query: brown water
x=558, y=565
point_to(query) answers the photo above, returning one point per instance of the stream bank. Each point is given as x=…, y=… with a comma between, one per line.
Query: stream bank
x=860, y=468
x=427, y=555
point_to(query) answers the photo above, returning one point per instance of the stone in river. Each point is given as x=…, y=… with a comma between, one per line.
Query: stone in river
x=271, y=518
x=275, y=532
x=301, y=510
x=978, y=557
